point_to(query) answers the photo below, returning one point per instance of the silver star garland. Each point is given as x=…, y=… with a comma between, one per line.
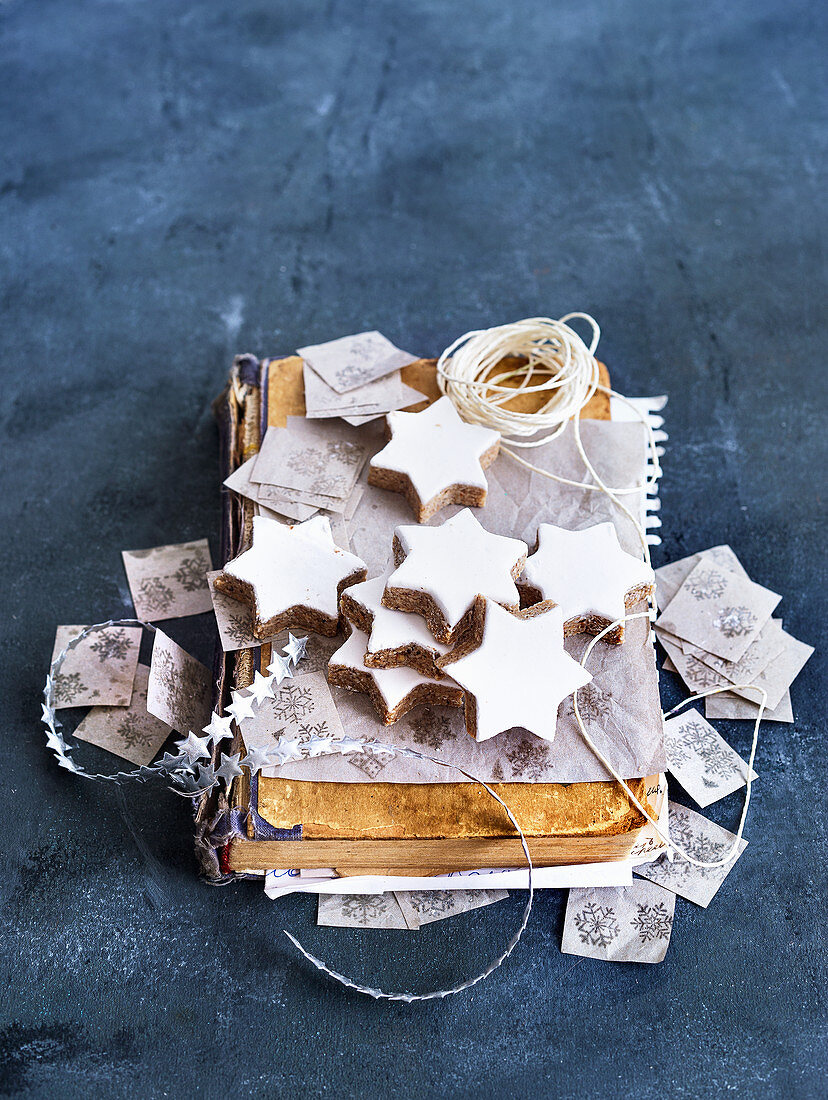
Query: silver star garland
x=191, y=777
x=186, y=767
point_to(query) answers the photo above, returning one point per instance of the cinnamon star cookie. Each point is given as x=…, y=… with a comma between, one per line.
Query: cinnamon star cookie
x=292, y=575
x=434, y=458
x=395, y=639
x=588, y=575
x=440, y=570
x=393, y=691
x=514, y=670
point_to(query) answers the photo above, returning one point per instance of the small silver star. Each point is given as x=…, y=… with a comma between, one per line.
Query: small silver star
x=376, y=747
x=292, y=749
x=295, y=649
x=46, y=714
x=219, y=728
x=54, y=743
x=320, y=746
x=279, y=668
x=278, y=754
x=194, y=748
x=68, y=763
x=261, y=688
x=241, y=707
x=187, y=782
x=172, y=761
x=229, y=768
x=257, y=758
x=348, y=744
x=206, y=776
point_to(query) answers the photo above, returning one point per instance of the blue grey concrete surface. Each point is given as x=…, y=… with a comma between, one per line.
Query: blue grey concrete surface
x=180, y=181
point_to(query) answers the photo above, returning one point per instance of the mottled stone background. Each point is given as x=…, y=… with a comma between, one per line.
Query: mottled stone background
x=180, y=181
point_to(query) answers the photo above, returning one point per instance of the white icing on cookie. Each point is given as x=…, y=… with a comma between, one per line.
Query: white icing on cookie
x=394, y=684
x=457, y=561
x=435, y=449
x=585, y=572
x=519, y=674
x=294, y=565
x=392, y=629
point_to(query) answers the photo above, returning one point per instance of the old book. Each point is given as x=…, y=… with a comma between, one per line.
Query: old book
x=377, y=827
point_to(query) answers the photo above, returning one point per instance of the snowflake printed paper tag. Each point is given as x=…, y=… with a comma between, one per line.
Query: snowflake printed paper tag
x=619, y=924
x=703, y=839
x=360, y=911
x=360, y=405
x=169, y=582
x=421, y=907
x=409, y=909
x=180, y=687
x=701, y=760
x=352, y=361
x=129, y=732
x=769, y=643
x=233, y=619
x=720, y=611
x=279, y=507
x=669, y=578
x=322, y=458
x=302, y=708
x=728, y=705
x=100, y=670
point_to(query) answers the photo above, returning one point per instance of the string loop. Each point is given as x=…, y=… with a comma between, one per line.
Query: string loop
x=558, y=365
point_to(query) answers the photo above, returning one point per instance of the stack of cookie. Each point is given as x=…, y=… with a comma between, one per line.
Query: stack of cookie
x=452, y=598
x=445, y=623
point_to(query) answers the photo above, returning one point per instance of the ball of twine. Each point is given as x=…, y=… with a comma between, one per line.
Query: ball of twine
x=558, y=366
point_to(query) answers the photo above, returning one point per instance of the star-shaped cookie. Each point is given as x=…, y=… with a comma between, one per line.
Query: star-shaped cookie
x=518, y=673
x=440, y=570
x=434, y=458
x=292, y=576
x=588, y=575
x=393, y=691
x=394, y=638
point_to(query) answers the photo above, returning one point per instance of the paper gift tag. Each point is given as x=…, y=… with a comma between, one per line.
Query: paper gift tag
x=408, y=397
x=704, y=840
x=421, y=907
x=360, y=911
x=129, y=732
x=728, y=705
x=780, y=673
x=669, y=578
x=352, y=361
x=169, y=582
x=279, y=508
x=409, y=909
x=701, y=760
x=769, y=643
x=100, y=670
x=719, y=611
x=180, y=687
x=697, y=675
x=301, y=709
x=619, y=924
x=322, y=401
x=234, y=619
x=322, y=457
x=294, y=500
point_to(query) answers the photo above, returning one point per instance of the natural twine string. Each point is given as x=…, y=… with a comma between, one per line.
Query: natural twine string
x=556, y=363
